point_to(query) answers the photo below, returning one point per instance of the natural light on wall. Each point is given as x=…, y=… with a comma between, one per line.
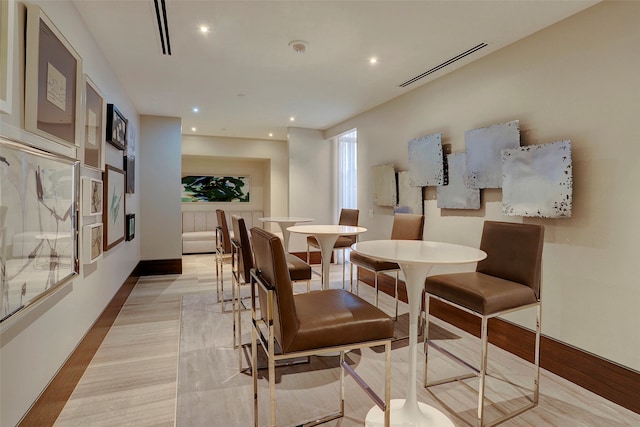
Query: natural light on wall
x=348, y=170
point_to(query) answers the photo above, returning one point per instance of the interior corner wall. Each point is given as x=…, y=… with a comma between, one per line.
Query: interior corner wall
x=35, y=343
x=577, y=80
x=160, y=223
x=311, y=180
x=272, y=152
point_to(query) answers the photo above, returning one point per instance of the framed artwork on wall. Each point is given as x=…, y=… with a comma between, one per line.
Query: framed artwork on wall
x=92, y=194
x=116, y=128
x=7, y=12
x=206, y=188
x=114, y=197
x=53, y=82
x=38, y=227
x=95, y=114
x=91, y=243
x=131, y=226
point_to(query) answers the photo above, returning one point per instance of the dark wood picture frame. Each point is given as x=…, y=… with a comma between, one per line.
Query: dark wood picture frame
x=114, y=207
x=116, y=128
x=131, y=227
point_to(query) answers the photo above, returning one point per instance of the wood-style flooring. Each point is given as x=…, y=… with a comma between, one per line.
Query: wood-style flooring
x=168, y=360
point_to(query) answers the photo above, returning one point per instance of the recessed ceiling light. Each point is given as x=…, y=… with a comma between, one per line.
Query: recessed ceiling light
x=291, y=119
x=373, y=60
x=193, y=129
x=270, y=134
x=204, y=29
x=196, y=109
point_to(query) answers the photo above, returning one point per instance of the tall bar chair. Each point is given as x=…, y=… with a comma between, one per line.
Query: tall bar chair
x=347, y=217
x=315, y=323
x=405, y=227
x=223, y=250
x=242, y=261
x=506, y=281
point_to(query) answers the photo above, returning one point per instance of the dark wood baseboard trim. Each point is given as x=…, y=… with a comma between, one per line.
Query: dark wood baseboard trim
x=159, y=266
x=315, y=257
x=614, y=382
x=47, y=408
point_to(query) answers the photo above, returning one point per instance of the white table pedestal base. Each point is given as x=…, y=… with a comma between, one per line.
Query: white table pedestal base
x=423, y=415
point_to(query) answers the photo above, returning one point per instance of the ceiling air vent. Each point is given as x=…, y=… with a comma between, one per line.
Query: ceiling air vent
x=444, y=64
x=163, y=26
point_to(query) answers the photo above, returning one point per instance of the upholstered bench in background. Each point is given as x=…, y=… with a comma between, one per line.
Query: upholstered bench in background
x=199, y=228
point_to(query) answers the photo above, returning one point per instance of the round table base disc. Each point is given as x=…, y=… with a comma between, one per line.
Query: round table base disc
x=428, y=417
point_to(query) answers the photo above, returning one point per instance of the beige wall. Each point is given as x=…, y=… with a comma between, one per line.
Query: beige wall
x=159, y=169
x=575, y=80
x=273, y=154
x=310, y=184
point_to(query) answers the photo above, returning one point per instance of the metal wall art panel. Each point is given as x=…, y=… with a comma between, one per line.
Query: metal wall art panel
x=38, y=224
x=426, y=162
x=538, y=180
x=409, y=197
x=456, y=195
x=484, y=147
x=384, y=185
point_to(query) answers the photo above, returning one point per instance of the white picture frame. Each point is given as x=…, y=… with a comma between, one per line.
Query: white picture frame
x=7, y=19
x=92, y=242
x=92, y=196
x=53, y=82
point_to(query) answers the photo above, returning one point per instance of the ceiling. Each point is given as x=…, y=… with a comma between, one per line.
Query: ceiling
x=248, y=82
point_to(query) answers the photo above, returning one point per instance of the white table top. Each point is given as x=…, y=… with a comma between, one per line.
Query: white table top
x=317, y=229
x=285, y=219
x=419, y=251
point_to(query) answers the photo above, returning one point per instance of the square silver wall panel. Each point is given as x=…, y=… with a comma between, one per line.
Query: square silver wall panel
x=484, y=147
x=384, y=185
x=409, y=197
x=426, y=161
x=538, y=180
x=456, y=195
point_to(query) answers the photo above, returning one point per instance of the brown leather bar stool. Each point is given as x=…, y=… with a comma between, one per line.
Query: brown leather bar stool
x=314, y=323
x=242, y=261
x=347, y=217
x=223, y=248
x=405, y=227
x=507, y=280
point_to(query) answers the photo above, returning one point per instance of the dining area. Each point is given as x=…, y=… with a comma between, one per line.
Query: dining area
x=334, y=318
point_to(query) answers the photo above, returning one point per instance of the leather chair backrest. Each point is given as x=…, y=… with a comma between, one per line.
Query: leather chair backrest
x=349, y=217
x=407, y=227
x=514, y=252
x=245, y=255
x=222, y=223
x=271, y=262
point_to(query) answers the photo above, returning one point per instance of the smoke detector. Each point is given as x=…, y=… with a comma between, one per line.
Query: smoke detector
x=298, y=46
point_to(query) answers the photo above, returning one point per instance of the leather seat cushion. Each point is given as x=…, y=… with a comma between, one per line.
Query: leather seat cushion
x=480, y=292
x=372, y=263
x=336, y=317
x=298, y=269
x=342, y=242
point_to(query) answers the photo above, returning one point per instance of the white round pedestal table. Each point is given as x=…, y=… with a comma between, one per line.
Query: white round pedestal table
x=285, y=222
x=416, y=258
x=326, y=235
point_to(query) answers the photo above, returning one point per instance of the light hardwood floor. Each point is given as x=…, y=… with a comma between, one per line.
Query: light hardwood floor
x=169, y=360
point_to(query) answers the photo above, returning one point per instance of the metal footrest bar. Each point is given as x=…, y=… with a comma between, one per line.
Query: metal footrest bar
x=453, y=357
x=364, y=386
